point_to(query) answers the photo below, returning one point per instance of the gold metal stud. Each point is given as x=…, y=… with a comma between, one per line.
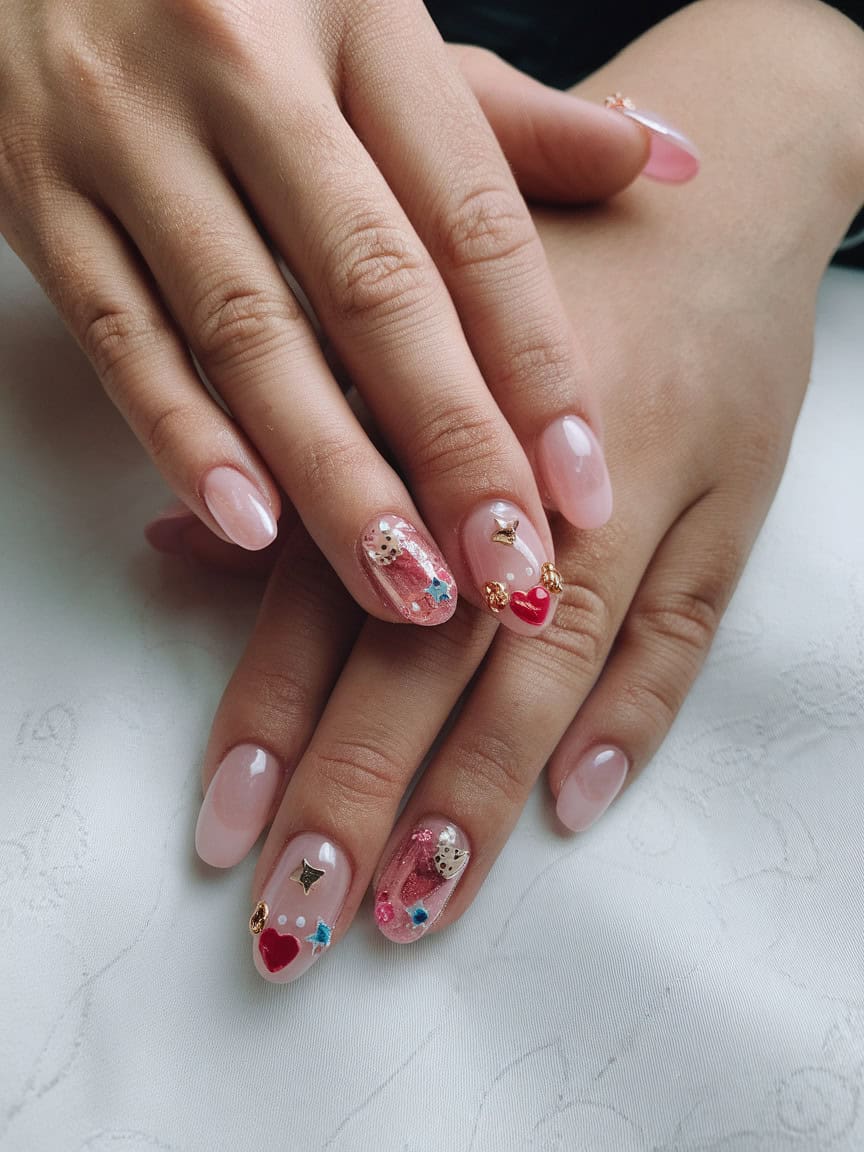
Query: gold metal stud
x=550, y=578
x=505, y=532
x=496, y=595
x=620, y=102
x=306, y=875
x=258, y=918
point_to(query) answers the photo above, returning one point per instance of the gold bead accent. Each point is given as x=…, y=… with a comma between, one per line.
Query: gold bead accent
x=550, y=578
x=258, y=918
x=496, y=595
x=620, y=102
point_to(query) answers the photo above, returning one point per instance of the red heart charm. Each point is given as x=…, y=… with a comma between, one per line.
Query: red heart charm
x=533, y=606
x=277, y=951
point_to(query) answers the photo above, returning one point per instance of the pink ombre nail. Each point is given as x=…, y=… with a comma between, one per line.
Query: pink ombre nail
x=239, y=508
x=419, y=879
x=515, y=576
x=575, y=473
x=293, y=922
x=591, y=786
x=673, y=158
x=237, y=805
x=408, y=572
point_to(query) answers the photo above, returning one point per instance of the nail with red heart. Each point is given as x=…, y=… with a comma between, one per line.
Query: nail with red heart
x=418, y=879
x=293, y=921
x=516, y=577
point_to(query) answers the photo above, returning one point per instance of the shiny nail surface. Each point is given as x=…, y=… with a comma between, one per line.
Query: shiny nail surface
x=575, y=473
x=408, y=571
x=239, y=508
x=674, y=158
x=516, y=578
x=294, y=920
x=237, y=805
x=419, y=879
x=591, y=786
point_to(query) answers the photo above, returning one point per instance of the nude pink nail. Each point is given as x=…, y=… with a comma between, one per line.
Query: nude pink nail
x=419, y=879
x=673, y=158
x=408, y=571
x=575, y=473
x=293, y=922
x=239, y=508
x=165, y=532
x=237, y=805
x=515, y=575
x=591, y=786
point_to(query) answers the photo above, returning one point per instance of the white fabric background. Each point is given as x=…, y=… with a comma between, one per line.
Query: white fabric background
x=698, y=982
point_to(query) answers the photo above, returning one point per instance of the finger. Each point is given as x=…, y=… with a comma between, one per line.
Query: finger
x=269, y=710
x=562, y=149
x=461, y=196
x=107, y=301
x=339, y=806
x=659, y=651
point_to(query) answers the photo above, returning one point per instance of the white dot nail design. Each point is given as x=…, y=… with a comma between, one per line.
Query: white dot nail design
x=300, y=921
x=282, y=920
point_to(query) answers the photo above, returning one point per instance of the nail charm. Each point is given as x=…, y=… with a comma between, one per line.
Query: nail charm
x=505, y=555
x=293, y=922
x=419, y=878
x=673, y=158
x=408, y=572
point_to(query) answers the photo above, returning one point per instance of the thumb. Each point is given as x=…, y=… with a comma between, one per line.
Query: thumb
x=561, y=149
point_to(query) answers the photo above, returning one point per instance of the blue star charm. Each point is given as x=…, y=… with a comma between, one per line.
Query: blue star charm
x=417, y=915
x=438, y=590
x=320, y=938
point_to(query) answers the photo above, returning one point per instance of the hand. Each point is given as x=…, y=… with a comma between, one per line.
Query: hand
x=156, y=155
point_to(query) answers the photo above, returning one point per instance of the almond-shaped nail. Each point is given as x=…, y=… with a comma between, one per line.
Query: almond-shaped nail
x=574, y=472
x=239, y=508
x=515, y=576
x=419, y=879
x=674, y=158
x=293, y=922
x=237, y=805
x=407, y=571
x=590, y=787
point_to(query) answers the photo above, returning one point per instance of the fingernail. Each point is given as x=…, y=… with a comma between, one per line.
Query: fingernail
x=574, y=470
x=294, y=920
x=419, y=879
x=239, y=508
x=509, y=563
x=408, y=571
x=673, y=157
x=237, y=804
x=165, y=531
x=591, y=786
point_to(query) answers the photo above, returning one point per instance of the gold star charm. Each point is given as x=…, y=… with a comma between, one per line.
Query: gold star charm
x=496, y=595
x=306, y=875
x=258, y=918
x=506, y=532
x=620, y=102
x=550, y=578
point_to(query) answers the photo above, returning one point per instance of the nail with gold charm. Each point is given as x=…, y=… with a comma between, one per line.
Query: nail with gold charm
x=517, y=580
x=293, y=921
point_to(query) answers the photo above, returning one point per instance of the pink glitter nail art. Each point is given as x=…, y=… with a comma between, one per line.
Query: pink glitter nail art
x=419, y=879
x=409, y=573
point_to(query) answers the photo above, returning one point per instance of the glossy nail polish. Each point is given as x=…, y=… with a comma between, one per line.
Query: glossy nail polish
x=165, y=532
x=239, y=508
x=673, y=158
x=294, y=920
x=407, y=571
x=515, y=576
x=591, y=786
x=419, y=879
x=237, y=805
x=574, y=472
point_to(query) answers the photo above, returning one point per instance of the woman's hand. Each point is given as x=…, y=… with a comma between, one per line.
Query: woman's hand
x=155, y=153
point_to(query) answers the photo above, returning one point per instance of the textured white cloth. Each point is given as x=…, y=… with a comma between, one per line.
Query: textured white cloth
x=698, y=982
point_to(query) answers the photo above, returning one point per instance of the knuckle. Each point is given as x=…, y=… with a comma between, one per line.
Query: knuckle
x=489, y=224
x=237, y=324
x=225, y=28
x=282, y=699
x=686, y=619
x=542, y=359
x=109, y=336
x=652, y=703
x=321, y=466
x=457, y=442
x=493, y=765
x=170, y=430
x=359, y=772
x=578, y=639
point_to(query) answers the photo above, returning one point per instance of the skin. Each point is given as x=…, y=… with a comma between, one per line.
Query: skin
x=699, y=322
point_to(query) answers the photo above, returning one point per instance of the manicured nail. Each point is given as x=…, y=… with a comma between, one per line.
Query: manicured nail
x=574, y=470
x=165, y=531
x=591, y=786
x=239, y=508
x=237, y=804
x=419, y=879
x=294, y=920
x=516, y=578
x=673, y=158
x=408, y=571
